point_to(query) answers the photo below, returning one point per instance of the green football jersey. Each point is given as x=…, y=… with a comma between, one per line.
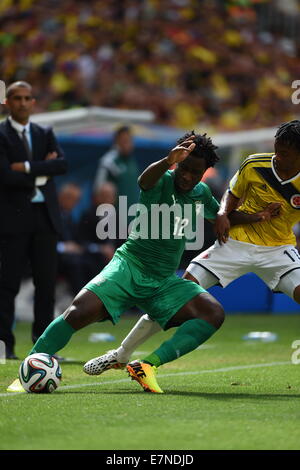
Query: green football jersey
x=165, y=220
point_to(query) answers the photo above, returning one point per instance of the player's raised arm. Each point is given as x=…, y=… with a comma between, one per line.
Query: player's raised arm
x=155, y=171
x=222, y=224
x=269, y=212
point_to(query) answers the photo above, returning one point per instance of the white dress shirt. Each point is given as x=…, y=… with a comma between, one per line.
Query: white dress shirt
x=39, y=180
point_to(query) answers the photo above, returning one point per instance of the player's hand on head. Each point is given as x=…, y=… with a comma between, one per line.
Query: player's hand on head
x=181, y=151
x=272, y=210
x=221, y=228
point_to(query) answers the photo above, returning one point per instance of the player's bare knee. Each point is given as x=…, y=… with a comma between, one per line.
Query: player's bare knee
x=216, y=314
x=219, y=315
x=297, y=294
x=76, y=316
x=81, y=314
x=211, y=311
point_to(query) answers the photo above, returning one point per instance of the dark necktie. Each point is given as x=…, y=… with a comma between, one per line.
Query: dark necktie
x=26, y=144
x=29, y=154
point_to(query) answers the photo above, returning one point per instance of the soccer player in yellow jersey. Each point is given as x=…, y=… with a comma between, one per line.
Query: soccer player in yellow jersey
x=266, y=248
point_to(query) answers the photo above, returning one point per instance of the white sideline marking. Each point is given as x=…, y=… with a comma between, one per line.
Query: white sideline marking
x=208, y=371
x=205, y=346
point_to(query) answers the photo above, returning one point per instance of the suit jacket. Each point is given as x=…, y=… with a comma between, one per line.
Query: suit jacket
x=16, y=188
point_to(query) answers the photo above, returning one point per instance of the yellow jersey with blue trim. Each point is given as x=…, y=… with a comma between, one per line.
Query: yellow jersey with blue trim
x=257, y=184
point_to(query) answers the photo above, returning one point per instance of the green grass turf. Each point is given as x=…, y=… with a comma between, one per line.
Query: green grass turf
x=250, y=408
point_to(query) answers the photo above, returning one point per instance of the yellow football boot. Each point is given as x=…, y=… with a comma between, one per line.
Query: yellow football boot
x=144, y=374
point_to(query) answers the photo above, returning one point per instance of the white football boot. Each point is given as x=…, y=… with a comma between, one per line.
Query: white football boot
x=100, y=364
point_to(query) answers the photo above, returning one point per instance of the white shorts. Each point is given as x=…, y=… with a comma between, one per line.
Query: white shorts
x=233, y=259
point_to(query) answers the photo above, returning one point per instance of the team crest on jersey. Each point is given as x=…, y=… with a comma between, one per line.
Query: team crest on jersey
x=205, y=254
x=295, y=201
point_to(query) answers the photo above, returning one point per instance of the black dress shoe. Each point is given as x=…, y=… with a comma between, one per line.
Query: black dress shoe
x=11, y=355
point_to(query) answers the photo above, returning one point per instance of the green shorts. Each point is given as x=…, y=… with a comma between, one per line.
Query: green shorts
x=122, y=285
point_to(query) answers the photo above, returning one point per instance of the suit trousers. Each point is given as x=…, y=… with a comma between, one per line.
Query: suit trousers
x=38, y=246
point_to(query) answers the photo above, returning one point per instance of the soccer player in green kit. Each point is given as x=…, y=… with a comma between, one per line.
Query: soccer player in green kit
x=142, y=272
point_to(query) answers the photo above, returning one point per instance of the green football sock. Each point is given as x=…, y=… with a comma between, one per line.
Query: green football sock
x=54, y=338
x=188, y=337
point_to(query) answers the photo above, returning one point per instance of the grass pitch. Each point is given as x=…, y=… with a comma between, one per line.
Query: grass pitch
x=229, y=394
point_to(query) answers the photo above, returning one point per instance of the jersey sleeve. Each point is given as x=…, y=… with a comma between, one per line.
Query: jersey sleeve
x=238, y=183
x=211, y=205
x=153, y=195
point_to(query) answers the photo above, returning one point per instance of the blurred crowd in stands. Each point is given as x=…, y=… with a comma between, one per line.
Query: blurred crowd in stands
x=81, y=254
x=82, y=251
x=189, y=61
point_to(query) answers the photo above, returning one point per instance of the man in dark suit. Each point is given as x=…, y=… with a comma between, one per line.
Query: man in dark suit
x=29, y=214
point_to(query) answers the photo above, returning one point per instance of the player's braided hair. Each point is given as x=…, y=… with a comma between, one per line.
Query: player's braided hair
x=288, y=133
x=204, y=148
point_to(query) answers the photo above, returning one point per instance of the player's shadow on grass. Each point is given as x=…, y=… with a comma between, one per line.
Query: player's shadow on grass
x=210, y=396
x=229, y=396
